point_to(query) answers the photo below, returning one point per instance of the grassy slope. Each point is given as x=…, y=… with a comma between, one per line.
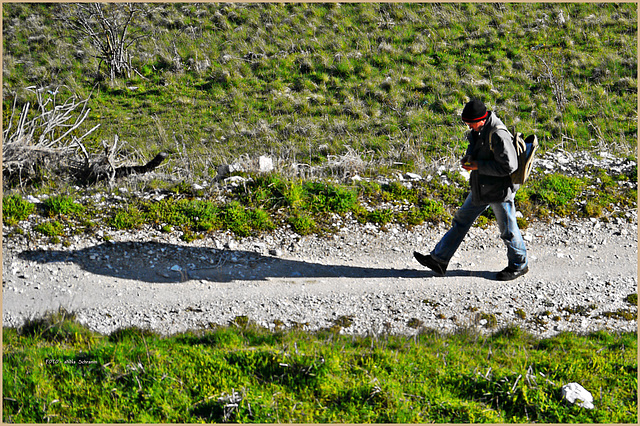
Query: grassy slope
x=61, y=372
x=385, y=82
x=305, y=81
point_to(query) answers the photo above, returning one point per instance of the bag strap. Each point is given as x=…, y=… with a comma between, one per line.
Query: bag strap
x=492, y=131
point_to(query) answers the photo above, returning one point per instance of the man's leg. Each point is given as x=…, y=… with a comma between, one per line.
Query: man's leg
x=510, y=234
x=462, y=221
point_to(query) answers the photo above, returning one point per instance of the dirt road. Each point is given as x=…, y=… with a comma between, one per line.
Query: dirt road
x=363, y=279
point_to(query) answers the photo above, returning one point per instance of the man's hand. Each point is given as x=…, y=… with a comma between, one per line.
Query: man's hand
x=468, y=163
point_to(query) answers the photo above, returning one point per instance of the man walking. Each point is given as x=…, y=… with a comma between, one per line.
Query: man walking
x=491, y=163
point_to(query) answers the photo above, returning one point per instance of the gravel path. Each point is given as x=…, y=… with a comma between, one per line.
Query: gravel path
x=363, y=278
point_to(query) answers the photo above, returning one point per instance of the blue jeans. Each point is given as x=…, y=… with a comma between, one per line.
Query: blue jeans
x=463, y=219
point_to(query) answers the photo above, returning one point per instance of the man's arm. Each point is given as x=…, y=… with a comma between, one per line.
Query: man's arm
x=467, y=161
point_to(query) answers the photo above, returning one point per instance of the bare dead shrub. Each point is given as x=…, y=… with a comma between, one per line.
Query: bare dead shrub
x=49, y=139
x=45, y=137
x=108, y=28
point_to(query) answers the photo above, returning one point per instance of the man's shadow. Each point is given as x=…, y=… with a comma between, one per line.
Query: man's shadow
x=155, y=262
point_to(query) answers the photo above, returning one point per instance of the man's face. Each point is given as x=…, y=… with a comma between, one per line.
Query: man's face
x=477, y=126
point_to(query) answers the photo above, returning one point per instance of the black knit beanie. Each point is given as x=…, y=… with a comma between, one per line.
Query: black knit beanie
x=474, y=111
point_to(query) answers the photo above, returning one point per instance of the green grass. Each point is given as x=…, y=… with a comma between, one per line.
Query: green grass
x=267, y=202
x=302, y=223
x=15, y=209
x=56, y=370
x=556, y=190
x=61, y=205
x=129, y=217
x=300, y=82
x=336, y=103
x=50, y=228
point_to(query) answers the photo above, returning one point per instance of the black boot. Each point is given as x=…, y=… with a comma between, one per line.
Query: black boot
x=431, y=263
x=508, y=274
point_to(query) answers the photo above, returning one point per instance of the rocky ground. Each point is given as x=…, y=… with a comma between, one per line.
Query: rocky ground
x=362, y=279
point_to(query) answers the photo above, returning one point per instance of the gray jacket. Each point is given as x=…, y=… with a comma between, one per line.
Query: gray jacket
x=497, y=159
